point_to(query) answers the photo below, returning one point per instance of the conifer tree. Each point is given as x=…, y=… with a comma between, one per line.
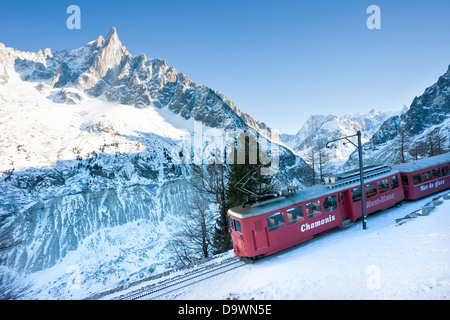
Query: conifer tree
x=256, y=182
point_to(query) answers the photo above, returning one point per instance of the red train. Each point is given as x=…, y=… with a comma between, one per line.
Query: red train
x=263, y=228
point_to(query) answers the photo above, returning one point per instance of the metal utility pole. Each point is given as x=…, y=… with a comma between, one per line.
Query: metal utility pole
x=361, y=173
x=361, y=180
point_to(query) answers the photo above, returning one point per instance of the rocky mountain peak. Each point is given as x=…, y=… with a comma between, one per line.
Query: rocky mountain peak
x=99, y=42
x=105, y=67
x=112, y=35
x=108, y=61
x=112, y=41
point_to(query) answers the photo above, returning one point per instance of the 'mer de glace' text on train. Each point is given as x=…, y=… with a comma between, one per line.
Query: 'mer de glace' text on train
x=266, y=227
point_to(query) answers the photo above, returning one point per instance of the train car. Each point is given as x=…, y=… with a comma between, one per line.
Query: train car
x=261, y=229
x=423, y=177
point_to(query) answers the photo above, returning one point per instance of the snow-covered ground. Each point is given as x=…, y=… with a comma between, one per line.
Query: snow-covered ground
x=385, y=261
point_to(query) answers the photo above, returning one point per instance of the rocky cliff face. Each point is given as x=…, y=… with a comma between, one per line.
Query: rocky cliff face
x=423, y=129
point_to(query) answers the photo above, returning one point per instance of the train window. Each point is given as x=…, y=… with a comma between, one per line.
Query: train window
x=426, y=176
x=330, y=204
x=275, y=221
x=231, y=222
x=394, y=182
x=356, y=195
x=313, y=209
x=417, y=178
x=445, y=171
x=383, y=186
x=237, y=226
x=405, y=180
x=371, y=190
x=436, y=173
x=295, y=215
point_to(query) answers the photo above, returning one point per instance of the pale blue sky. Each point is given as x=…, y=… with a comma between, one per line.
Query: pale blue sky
x=280, y=61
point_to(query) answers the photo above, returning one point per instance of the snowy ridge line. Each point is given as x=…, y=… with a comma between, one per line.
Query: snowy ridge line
x=195, y=266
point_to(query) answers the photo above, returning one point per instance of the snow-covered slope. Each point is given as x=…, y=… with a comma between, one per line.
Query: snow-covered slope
x=386, y=261
x=88, y=147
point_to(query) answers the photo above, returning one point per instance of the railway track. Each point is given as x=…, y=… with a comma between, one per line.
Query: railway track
x=178, y=281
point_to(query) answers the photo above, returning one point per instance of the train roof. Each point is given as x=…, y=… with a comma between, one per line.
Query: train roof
x=423, y=163
x=306, y=194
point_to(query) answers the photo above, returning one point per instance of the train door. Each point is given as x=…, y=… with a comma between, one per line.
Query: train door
x=343, y=206
x=260, y=236
x=405, y=184
x=352, y=203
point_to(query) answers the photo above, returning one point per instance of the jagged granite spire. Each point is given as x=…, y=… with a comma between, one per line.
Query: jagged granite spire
x=105, y=67
x=109, y=59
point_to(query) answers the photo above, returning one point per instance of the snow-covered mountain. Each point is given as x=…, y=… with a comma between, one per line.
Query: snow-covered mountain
x=88, y=145
x=319, y=129
x=104, y=68
x=423, y=130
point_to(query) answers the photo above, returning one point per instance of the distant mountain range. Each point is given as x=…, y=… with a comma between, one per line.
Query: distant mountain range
x=319, y=129
x=389, y=138
x=423, y=130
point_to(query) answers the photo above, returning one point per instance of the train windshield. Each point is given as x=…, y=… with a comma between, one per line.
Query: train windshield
x=237, y=226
